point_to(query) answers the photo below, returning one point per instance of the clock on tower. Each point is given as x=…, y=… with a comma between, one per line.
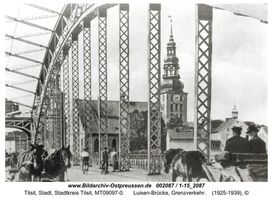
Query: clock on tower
x=176, y=98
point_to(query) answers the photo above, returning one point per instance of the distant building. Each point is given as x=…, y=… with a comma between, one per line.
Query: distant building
x=223, y=132
x=11, y=106
x=16, y=141
x=113, y=123
x=182, y=138
x=263, y=134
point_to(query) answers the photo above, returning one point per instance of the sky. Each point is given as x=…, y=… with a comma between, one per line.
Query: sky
x=239, y=67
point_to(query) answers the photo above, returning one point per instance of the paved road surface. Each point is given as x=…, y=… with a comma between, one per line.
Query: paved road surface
x=134, y=175
x=75, y=174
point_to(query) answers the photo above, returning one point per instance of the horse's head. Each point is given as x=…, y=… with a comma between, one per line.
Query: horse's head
x=168, y=158
x=38, y=152
x=66, y=156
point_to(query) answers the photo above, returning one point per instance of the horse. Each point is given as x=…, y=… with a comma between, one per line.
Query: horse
x=168, y=158
x=57, y=163
x=186, y=164
x=30, y=163
x=11, y=160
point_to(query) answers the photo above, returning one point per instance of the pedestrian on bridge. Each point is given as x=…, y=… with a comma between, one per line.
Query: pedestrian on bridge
x=85, y=160
x=114, y=159
x=256, y=144
x=237, y=144
x=105, y=158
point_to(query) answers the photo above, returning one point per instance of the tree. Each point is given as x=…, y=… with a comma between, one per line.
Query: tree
x=174, y=122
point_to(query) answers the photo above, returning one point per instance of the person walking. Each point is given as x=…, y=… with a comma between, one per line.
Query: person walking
x=114, y=159
x=237, y=144
x=85, y=160
x=105, y=158
x=256, y=144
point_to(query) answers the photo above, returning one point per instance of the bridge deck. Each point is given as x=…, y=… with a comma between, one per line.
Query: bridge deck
x=134, y=175
x=75, y=174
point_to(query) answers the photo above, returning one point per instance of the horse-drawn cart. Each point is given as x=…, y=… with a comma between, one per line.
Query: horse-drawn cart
x=239, y=167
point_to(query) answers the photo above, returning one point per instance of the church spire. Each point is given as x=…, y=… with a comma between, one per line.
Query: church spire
x=171, y=25
x=234, y=112
x=171, y=66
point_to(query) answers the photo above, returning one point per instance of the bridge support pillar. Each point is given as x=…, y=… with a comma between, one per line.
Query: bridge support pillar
x=87, y=85
x=124, y=159
x=202, y=103
x=66, y=100
x=75, y=98
x=102, y=102
x=154, y=116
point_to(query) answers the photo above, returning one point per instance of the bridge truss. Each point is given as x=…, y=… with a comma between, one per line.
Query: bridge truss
x=56, y=102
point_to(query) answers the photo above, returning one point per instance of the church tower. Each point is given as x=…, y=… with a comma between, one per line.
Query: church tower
x=234, y=112
x=173, y=98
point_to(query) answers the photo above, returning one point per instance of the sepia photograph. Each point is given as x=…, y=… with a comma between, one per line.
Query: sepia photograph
x=136, y=92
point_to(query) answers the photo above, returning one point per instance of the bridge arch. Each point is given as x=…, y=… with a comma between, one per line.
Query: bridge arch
x=26, y=131
x=23, y=124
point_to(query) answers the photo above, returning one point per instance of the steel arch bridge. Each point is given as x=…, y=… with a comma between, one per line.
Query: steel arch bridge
x=54, y=105
x=56, y=113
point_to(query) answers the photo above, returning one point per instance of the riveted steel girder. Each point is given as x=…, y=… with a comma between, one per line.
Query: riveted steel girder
x=124, y=159
x=75, y=102
x=87, y=84
x=66, y=99
x=203, y=52
x=102, y=31
x=154, y=117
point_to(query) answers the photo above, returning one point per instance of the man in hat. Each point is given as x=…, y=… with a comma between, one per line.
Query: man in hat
x=105, y=158
x=256, y=144
x=237, y=144
x=85, y=160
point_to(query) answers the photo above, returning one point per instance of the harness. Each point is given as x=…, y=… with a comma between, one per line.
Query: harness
x=54, y=157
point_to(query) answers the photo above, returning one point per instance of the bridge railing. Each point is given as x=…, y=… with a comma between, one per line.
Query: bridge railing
x=141, y=160
x=95, y=158
x=136, y=160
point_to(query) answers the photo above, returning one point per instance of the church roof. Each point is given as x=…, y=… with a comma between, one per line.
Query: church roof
x=226, y=124
x=171, y=85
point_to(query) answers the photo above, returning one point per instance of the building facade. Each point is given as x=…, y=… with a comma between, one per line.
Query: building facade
x=16, y=141
x=11, y=106
x=182, y=139
x=263, y=134
x=112, y=124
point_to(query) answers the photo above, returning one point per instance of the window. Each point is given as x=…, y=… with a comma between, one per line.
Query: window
x=96, y=145
x=181, y=107
x=176, y=107
x=114, y=144
x=171, y=107
x=215, y=145
x=171, y=97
